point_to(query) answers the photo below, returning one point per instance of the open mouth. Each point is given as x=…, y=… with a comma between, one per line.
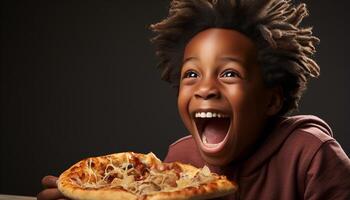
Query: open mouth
x=212, y=128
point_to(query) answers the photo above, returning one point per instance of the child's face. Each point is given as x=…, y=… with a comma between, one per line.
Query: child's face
x=222, y=99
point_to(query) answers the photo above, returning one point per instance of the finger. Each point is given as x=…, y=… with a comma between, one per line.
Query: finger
x=49, y=181
x=49, y=194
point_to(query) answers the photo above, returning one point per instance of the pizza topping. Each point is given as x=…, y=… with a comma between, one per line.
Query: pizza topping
x=148, y=187
x=135, y=176
x=138, y=174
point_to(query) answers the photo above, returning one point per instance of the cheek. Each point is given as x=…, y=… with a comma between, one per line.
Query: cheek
x=246, y=104
x=245, y=99
x=236, y=96
x=183, y=101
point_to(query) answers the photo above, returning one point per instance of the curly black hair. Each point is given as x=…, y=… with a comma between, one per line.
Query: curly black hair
x=284, y=47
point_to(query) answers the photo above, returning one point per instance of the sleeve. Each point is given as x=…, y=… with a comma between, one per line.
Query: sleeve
x=185, y=151
x=169, y=157
x=328, y=176
x=178, y=149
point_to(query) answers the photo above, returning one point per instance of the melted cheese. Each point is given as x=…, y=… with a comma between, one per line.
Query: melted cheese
x=123, y=175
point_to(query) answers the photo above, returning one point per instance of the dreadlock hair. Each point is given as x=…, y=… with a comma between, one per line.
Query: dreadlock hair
x=284, y=48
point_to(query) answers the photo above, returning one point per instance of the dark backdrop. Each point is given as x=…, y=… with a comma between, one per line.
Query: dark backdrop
x=79, y=79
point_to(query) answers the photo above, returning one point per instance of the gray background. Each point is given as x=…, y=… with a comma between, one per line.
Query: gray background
x=78, y=79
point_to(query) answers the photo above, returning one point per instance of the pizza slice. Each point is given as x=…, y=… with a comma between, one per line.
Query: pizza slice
x=135, y=176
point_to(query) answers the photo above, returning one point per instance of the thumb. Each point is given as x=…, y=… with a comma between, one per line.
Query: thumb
x=49, y=181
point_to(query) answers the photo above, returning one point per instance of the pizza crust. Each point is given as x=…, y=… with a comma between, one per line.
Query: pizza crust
x=100, y=194
x=205, y=191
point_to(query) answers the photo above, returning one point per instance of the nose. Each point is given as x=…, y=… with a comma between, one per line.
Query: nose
x=207, y=89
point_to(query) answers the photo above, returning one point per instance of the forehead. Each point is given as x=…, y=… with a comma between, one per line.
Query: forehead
x=216, y=42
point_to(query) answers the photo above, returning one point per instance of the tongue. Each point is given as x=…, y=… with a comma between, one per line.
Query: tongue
x=215, y=130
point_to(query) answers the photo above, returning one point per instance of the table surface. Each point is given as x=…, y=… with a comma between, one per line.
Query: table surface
x=15, y=197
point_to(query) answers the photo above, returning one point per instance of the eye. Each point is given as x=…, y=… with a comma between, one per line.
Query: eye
x=229, y=73
x=190, y=74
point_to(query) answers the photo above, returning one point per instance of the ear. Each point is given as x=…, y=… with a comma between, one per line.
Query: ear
x=275, y=101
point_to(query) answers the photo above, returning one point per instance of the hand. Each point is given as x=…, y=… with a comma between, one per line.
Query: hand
x=50, y=191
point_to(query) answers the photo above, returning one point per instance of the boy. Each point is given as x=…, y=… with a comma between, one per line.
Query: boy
x=240, y=66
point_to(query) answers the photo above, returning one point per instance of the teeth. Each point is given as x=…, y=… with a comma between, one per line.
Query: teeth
x=209, y=115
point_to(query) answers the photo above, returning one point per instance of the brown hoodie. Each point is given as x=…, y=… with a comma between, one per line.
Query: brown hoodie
x=299, y=159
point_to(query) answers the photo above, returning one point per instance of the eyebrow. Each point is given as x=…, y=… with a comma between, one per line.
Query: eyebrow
x=225, y=58
x=232, y=59
x=189, y=59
